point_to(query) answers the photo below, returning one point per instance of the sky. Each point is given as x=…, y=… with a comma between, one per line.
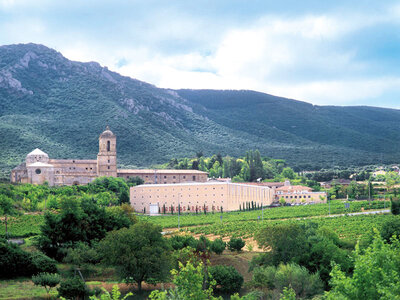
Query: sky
x=322, y=52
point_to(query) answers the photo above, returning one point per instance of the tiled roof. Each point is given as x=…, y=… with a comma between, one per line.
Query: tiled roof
x=159, y=171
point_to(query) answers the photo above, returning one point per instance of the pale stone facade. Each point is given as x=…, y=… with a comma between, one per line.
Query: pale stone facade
x=38, y=168
x=210, y=196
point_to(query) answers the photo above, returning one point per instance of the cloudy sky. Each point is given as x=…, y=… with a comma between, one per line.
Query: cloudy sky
x=342, y=53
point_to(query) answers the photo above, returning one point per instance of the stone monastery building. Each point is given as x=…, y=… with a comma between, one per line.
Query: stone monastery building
x=38, y=168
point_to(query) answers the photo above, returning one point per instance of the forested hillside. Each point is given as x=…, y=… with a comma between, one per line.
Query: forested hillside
x=61, y=107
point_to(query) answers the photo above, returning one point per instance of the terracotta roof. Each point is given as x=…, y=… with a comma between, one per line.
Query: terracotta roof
x=160, y=171
x=294, y=188
x=268, y=184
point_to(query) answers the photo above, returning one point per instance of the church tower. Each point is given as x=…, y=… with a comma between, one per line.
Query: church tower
x=107, y=157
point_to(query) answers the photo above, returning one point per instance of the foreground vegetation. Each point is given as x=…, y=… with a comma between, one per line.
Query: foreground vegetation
x=81, y=238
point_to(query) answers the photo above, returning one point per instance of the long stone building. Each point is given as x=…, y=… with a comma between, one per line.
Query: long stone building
x=198, y=197
x=38, y=168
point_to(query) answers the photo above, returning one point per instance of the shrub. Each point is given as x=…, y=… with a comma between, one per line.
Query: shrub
x=72, y=288
x=218, y=246
x=203, y=244
x=46, y=280
x=236, y=244
x=43, y=263
x=182, y=241
x=227, y=277
x=115, y=294
x=304, y=283
x=395, y=208
x=15, y=262
x=390, y=228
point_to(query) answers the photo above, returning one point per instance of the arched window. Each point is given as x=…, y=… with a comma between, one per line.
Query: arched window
x=108, y=145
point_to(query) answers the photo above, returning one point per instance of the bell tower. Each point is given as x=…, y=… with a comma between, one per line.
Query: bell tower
x=107, y=157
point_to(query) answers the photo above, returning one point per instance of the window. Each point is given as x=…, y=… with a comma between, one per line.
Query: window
x=38, y=171
x=184, y=177
x=165, y=176
x=108, y=161
x=194, y=178
x=108, y=167
x=173, y=177
x=108, y=146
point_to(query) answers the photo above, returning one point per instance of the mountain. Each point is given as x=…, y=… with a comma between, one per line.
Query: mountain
x=61, y=107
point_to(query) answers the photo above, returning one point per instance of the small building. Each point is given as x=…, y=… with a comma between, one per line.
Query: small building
x=299, y=194
x=198, y=197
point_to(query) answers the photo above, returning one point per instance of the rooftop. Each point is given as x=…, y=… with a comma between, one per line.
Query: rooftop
x=160, y=171
x=37, y=151
x=195, y=184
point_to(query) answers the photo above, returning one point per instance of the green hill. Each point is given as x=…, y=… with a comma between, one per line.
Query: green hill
x=61, y=106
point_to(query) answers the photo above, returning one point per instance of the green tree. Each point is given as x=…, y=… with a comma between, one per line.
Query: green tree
x=46, y=280
x=6, y=209
x=288, y=173
x=376, y=273
x=236, y=244
x=139, y=253
x=227, y=278
x=304, y=283
x=189, y=284
x=73, y=288
x=218, y=246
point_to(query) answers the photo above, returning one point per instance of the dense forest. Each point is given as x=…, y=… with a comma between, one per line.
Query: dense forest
x=61, y=107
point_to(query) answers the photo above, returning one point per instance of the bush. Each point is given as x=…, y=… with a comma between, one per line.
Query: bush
x=395, y=208
x=390, y=228
x=236, y=244
x=179, y=242
x=72, y=288
x=43, y=263
x=203, y=244
x=218, y=246
x=15, y=262
x=305, y=284
x=46, y=280
x=227, y=277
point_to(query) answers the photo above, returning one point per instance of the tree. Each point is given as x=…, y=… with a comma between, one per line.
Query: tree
x=390, y=228
x=218, y=246
x=395, y=205
x=6, y=209
x=139, y=253
x=376, y=273
x=116, y=185
x=189, y=284
x=79, y=221
x=73, y=288
x=236, y=244
x=288, y=173
x=288, y=243
x=227, y=278
x=46, y=280
x=304, y=283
